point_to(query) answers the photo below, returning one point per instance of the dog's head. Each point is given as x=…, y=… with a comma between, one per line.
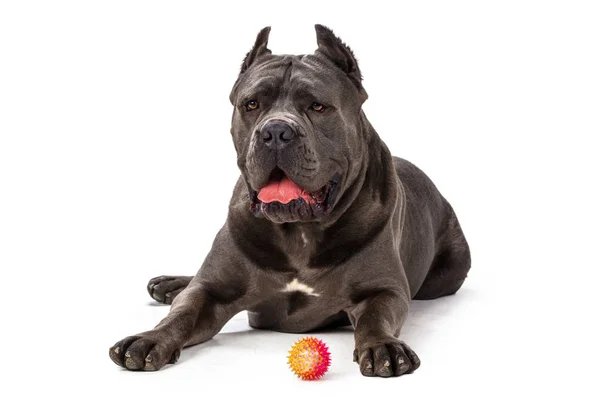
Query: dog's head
x=296, y=127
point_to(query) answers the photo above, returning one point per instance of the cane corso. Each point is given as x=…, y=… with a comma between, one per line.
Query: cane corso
x=325, y=228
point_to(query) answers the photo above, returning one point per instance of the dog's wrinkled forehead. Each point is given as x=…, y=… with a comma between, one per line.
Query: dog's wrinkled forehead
x=298, y=77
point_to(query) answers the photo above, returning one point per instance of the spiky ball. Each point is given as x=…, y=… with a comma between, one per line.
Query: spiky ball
x=309, y=358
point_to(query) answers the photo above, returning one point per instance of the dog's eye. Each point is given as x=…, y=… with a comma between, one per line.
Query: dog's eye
x=251, y=105
x=318, y=107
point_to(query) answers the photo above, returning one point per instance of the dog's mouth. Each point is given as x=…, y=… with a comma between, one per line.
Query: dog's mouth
x=282, y=200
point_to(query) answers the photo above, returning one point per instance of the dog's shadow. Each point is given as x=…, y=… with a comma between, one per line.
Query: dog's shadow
x=239, y=335
x=427, y=316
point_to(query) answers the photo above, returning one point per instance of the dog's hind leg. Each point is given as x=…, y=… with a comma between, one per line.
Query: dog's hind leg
x=164, y=289
x=450, y=265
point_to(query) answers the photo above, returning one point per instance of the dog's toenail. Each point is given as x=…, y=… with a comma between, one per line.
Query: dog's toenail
x=127, y=355
x=400, y=360
x=116, y=350
x=369, y=366
x=386, y=364
x=148, y=359
x=149, y=367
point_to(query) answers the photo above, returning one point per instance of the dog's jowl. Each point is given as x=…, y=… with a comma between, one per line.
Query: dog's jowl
x=325, y=228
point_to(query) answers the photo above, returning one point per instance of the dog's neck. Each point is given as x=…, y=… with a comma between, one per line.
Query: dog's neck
x=375, y=182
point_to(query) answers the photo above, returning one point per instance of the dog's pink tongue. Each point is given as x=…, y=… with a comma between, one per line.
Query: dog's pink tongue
x=282, y=191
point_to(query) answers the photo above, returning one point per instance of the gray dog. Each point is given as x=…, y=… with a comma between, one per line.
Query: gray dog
x=325, y=227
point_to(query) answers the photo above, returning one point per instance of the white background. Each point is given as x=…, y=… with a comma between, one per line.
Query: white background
x=116, y=165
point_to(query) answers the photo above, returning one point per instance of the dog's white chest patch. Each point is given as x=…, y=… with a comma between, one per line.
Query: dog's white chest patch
x=297, y=286
x=304, y=239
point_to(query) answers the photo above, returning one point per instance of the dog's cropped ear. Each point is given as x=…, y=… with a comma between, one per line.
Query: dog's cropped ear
x=259, y=49
x=337, y=51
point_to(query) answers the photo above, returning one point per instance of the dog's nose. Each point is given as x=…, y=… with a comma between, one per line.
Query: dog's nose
x=277, y=133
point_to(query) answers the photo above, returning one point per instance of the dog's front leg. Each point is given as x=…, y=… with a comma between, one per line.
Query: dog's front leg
x=377, y=321
x=225, y=285
x=194, y=317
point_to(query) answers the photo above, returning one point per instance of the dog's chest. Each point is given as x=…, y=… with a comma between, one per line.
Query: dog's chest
x=306, y=281
x=314, y=285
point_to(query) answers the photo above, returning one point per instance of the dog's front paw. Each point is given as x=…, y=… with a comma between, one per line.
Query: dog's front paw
x=164, y=289
x=390, y=358
x=143, y=352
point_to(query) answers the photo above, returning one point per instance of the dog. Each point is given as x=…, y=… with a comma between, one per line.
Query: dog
x=325, y=227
